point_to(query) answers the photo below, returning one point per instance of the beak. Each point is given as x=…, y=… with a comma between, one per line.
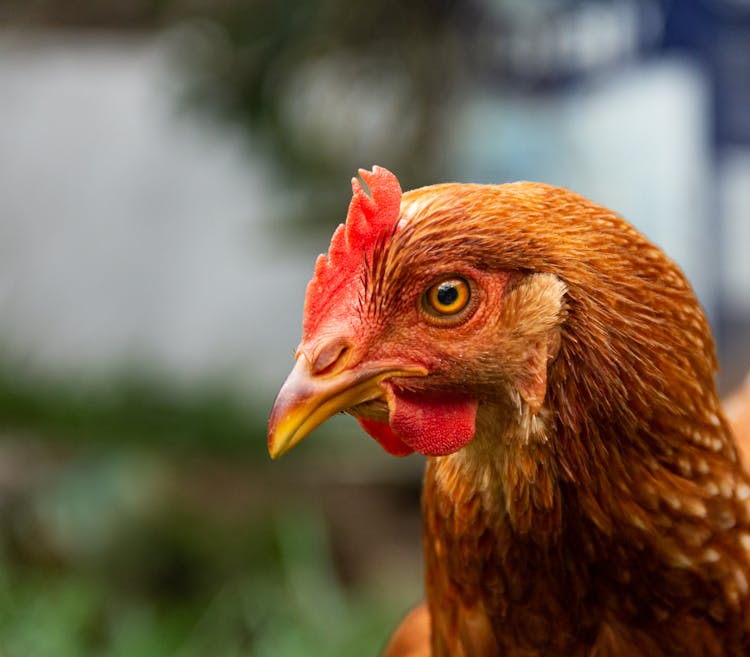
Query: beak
x=306, y=400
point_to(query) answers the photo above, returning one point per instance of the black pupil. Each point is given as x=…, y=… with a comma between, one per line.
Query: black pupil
x=447, y=294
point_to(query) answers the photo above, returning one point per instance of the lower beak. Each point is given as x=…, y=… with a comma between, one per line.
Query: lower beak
x=307, y=400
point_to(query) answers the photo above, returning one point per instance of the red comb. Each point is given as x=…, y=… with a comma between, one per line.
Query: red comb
x=369, y=218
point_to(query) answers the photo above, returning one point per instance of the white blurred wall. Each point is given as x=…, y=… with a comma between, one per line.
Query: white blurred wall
x=132, y=231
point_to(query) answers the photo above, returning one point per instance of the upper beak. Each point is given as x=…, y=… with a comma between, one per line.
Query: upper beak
x=306, y=399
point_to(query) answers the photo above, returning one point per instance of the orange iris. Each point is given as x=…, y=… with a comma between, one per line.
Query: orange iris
x=448, y=297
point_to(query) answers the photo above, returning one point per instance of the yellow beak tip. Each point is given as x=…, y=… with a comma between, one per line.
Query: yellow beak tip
x=275, y=452
x=306, y=401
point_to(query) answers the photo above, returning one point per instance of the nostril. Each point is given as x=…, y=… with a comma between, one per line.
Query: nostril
x=332, y=357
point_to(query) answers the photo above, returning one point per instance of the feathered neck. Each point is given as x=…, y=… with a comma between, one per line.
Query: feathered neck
x=614, y=475
x=511, y=466
x=519, y=533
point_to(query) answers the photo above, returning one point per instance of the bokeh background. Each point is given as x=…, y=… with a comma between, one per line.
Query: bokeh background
x=169, y=169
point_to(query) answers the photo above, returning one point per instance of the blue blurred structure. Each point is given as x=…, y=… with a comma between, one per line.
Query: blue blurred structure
x=715, y=38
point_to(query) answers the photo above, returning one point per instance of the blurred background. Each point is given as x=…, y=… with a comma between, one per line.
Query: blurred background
x=169, y=169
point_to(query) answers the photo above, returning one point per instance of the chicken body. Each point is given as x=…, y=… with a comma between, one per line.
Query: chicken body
x=583, y=493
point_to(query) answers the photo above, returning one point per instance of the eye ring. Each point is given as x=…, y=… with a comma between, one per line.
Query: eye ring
x=448, y=300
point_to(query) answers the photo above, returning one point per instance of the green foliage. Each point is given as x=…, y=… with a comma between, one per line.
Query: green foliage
x=257, y=49
x=125, y=552
x=322, y=88
x=131, y=408
x=137, y=519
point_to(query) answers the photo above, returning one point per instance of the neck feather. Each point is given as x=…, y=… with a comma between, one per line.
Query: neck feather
x=673, y=506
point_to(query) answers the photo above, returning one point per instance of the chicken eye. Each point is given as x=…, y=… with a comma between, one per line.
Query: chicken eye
x=447, y=297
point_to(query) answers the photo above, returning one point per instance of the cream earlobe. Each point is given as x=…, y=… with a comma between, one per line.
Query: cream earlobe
x=533, y=385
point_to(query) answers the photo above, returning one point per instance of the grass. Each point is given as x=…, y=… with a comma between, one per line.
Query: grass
x=289, y=604
x=131, y=408
x=139, y=520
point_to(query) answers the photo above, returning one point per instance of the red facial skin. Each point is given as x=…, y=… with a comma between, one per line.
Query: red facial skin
x=425, y=415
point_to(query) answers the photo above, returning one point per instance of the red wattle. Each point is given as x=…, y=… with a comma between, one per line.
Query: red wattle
x=432, y=424
x=388, y=440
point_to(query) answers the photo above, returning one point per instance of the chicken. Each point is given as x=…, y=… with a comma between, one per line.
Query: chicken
x=583, y=493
